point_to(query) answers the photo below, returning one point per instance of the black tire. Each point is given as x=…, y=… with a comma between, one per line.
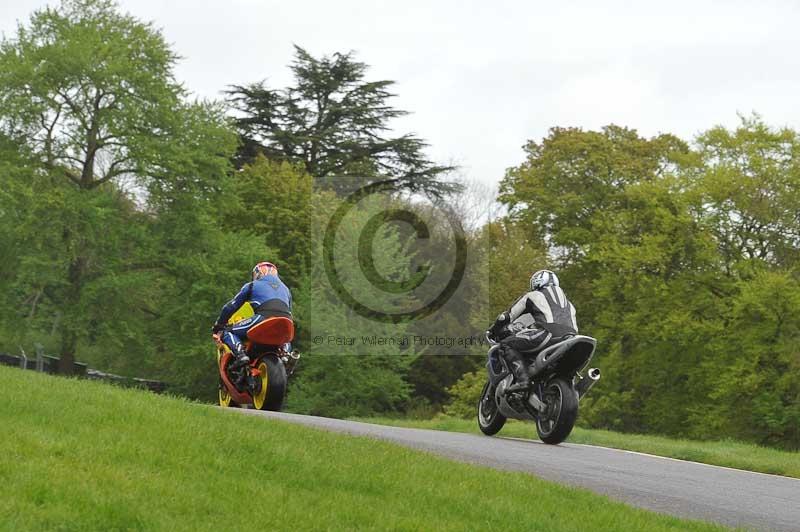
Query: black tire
x=224, y=398
x=562, y=411
x=276, y=384
x=490, y=420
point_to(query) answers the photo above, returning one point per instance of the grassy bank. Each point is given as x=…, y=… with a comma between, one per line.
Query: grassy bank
x=723, y=453
x=77, y=455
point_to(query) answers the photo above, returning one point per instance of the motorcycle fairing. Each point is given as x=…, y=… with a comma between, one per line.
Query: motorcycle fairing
x=511, y=405
x=237, y=395
x=242, y=313
x=566, y=357
x=496, y=366
x=276, y=330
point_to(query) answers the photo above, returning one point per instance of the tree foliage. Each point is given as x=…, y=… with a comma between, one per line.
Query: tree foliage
x=681, y=260
x=274, y=201
x=113, y=151
x=340, y=377
x=335, y=123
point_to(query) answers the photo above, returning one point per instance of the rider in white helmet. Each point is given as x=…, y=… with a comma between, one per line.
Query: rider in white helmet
x=533, y=322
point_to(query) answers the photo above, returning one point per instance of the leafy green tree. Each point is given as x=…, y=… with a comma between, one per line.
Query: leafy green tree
x=364, y=377
x=751, y=385
x=651, y=302
x=612, y=212
x=334, y=122
x=16, y=198
x=682, y=264
x=273, y=200
x=91, y=89
x=572, y=176
x=751, y=186
x=91, y=92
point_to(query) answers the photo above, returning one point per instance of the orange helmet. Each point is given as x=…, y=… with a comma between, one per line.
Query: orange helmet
x=262, y=269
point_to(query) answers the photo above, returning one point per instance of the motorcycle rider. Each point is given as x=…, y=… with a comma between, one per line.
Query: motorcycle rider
x=268, y=296
x=533, y=322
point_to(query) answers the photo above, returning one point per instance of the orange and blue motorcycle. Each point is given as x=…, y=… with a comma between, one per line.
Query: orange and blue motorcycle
x=263, y=382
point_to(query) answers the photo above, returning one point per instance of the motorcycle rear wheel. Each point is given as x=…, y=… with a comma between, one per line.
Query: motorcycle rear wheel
x=272, y=391
x=557, y=422
x=490, y=420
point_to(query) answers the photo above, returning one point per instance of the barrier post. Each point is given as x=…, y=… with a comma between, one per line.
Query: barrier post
x=39, y=357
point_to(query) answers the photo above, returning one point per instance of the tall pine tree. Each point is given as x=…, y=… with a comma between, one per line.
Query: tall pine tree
x=335, y=123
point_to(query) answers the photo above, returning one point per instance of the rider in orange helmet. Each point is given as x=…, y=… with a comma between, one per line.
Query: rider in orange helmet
x=268, y=296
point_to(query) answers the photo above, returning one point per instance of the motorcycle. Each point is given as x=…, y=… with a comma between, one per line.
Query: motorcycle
x=551, y=400
x=262, y=383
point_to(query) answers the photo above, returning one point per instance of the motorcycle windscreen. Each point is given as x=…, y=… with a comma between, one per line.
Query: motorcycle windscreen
x=272, y=331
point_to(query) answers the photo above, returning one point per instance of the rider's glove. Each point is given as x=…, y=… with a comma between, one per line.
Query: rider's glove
x=217, y=328
x=499, y=323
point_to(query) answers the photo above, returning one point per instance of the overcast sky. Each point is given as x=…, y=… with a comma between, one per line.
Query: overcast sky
x=480, y=78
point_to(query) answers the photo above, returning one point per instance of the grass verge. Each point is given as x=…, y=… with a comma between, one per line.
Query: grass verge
x=77, y=455
x=723, y=453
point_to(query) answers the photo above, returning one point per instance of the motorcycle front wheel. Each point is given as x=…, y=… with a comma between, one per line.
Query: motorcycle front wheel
x=490, y=420
x=225, y=399
x=556, y=422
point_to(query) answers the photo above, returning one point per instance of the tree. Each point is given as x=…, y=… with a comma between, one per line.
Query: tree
x=683, y=264
x=91, y=92
x=334, y=122
x=16, y=200
x=751, y=188
x=574, y=175
x=368, y=375
x=499, y=263
x=614, y=212
x=89, y=87
x=274, y=200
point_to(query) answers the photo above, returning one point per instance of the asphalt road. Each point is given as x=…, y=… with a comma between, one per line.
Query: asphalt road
x=685, y=489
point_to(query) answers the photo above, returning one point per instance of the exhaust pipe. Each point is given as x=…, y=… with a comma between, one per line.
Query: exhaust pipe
x=586, y=383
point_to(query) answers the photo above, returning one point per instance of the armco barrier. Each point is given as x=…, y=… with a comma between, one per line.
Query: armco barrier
x=49, y=364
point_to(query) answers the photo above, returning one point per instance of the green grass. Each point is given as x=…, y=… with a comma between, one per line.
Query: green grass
x=77, y=455
x=723, y=453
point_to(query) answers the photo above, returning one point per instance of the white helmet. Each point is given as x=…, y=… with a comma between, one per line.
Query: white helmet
x=543, y=278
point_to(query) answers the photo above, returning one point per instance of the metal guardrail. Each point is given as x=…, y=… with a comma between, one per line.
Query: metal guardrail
x=48, y=364
x=133, y=382
x=11, y=360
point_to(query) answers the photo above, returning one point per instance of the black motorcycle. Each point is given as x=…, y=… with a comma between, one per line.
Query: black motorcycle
x=552, y=398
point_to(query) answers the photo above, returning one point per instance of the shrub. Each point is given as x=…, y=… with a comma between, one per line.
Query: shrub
x=465, y=393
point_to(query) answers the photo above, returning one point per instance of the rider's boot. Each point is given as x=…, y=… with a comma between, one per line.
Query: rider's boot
x=521, y=378
x=520, y=373
x=241, y=358
x=518, y=367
